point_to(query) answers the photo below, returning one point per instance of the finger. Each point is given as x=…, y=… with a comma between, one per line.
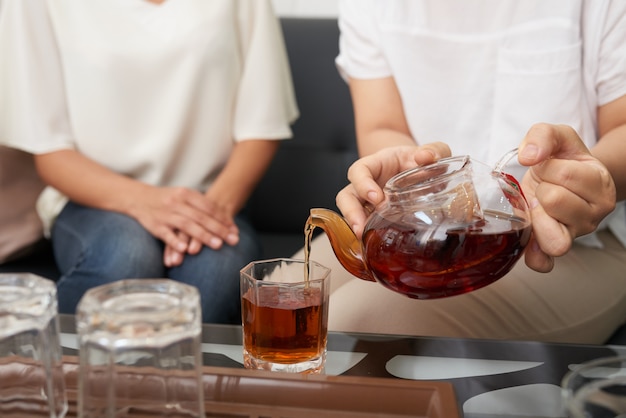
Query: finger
x=207, y=231
x=215, y=242
x=193, y=205
x=553, y=237
x=363, y=185
x=171, y=257
x=537, y=259
x=170, y=238
x=544, y=141
x=582, y=178
x=233, y=236
x=194, y=246
x=189, y=227
x=431, y=152
x=353, y=209
x=192, y=221
x=575, y=193
x=568, y=208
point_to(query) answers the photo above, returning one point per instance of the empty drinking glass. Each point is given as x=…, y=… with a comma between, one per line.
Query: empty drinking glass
x=140, y=350
x=31, y=368
x=596, y=389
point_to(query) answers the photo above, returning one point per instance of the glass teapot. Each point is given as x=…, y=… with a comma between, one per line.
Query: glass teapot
x=443, y=229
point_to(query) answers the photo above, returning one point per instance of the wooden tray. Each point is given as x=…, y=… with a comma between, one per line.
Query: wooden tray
x=241, y=393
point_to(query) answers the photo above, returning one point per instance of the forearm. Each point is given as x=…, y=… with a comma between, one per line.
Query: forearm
x=379, y=115
x=87, y=182
x=611, y=151
x=382, y=138
x=243, y=171
x=611, y=148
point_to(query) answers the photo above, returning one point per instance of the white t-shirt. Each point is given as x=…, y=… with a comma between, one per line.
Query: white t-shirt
x=478, y=74
x=155, y=92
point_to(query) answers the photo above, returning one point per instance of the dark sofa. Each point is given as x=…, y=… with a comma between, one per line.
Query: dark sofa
x=308, y=170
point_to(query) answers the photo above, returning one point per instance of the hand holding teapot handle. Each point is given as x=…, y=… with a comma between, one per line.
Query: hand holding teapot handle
x=369, y=174
x=568, y=190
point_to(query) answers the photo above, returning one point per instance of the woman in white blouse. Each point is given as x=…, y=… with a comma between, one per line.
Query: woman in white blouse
x=151, y=121
x=477, y=77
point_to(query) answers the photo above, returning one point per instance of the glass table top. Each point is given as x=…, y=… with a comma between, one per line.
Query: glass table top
x=491, y=378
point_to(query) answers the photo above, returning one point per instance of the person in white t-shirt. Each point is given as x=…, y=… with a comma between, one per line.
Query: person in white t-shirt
x=480, y=78
x=151, y=121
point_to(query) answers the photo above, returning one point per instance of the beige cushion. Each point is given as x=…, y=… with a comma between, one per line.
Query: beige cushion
x=20, y=186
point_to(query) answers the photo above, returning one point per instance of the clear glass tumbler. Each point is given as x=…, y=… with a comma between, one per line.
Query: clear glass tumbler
x=285, y=315
x=140, y=350
x=31, y=368
x=596, y=389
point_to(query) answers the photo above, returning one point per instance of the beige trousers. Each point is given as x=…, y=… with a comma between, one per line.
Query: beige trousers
x=583, y=300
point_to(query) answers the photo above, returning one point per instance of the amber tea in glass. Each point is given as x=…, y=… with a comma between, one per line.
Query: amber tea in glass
x=284, y=315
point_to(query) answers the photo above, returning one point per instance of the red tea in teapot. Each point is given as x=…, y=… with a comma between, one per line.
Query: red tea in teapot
x=423, y=263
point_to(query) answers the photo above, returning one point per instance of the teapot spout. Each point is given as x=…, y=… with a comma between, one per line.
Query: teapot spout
x=346, y=246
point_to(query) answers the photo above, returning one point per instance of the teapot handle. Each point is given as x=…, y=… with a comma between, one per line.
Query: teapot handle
x=346, y=246
x=504, y=160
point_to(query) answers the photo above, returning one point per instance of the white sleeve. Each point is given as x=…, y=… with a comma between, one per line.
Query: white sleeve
x=33, y=111
x=266, y=104
x=360, y=55
x=611, y=79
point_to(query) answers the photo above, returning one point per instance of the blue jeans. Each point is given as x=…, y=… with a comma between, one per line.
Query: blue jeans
x=93, y=247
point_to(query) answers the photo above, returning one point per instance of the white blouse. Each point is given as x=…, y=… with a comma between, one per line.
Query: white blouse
x=477, y=74
x=155, y=92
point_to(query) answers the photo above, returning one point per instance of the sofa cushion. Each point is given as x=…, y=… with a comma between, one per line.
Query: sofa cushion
x=20, y=227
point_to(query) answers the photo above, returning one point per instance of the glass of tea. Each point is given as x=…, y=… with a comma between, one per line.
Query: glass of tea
x=596, y=388
x=140, y=350
x=285, y=315
x=31, y=368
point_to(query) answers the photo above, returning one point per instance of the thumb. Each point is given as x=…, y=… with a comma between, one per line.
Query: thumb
x=544, y=141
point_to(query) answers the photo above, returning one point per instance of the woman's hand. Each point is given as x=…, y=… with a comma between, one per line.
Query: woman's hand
x=369, y=174
x=568, y=190
x=184, y=220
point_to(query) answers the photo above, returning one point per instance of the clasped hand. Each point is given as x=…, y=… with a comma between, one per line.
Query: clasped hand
x=185, y=220
x=568, y=190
